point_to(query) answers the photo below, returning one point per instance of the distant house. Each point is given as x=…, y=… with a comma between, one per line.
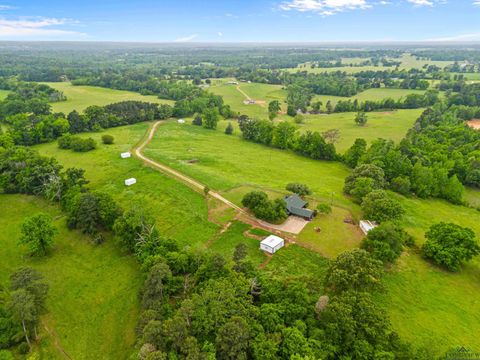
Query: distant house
x=125, y=155
x=297, y=206
x=272, y=244
x=232, y=83
x=181, y=121
x=367, y=225
x=130, y=182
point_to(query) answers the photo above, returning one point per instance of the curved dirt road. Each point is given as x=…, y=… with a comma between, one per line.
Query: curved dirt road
x=199, y=186
x=169, y=170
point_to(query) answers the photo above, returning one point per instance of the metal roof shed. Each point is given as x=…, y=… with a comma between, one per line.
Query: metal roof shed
x=272, y=244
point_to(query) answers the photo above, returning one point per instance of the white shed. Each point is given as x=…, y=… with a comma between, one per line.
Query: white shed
x=125, y=155
x=130, y=181
x=367, y=225
x=272, y=244
x=181, y=121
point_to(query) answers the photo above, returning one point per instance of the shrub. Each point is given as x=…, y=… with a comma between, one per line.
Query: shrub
x=197, y=121
x=65, y=141
x=299, y=189
x=324, y=209
x=272, y=211
x=378, y=206
x=291, y=111
x=107, y=139
x=83, y=145
x=299, y=119
x=449, y=245
x=229, y=129
x=361, y=119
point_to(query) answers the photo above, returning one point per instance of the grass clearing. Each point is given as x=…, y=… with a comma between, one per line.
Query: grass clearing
x=389, y=125
x=81, y=97
x=181, y=212
x=226, y=162
x=92, y=301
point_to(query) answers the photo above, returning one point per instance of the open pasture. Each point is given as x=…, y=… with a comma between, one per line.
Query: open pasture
x=92, y=301
x=181, y=213
x=81, y=97
x=388, y=125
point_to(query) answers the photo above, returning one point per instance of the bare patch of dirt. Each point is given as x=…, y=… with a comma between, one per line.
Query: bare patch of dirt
x=474, y=124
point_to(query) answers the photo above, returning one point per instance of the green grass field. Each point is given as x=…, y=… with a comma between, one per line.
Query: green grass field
x=407, y=62
x=234, y=166
x=92, y=301
x=81, y=97
x=181, y=213
x=227, y=162
x=389, y=125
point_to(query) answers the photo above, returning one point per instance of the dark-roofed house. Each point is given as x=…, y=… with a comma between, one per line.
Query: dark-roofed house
x=297, y=206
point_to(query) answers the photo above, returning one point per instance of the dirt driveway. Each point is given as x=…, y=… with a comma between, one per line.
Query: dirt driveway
x=293, y=225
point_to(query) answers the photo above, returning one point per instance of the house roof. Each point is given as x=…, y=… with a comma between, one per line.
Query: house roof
x=296, y=206
x=295, y=201
x=272, y=241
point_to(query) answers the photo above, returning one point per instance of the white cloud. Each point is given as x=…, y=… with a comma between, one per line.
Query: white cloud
x=324, y=7
x=427, y=2
x=476, y=3
x=220, y=34
x=36, y=28
x=186, y=38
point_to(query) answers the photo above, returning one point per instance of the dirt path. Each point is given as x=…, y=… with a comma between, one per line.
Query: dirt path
x=56, y=341
x=191, y=182
x=257, y=102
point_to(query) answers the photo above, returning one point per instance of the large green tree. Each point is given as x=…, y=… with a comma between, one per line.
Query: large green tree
x=450, y=245
x=38, y=232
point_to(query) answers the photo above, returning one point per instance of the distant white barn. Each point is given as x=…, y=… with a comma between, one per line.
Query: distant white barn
x=125, y=155
x=272, y=244
x=130, y=182
x=181, y=121
x=367, y=225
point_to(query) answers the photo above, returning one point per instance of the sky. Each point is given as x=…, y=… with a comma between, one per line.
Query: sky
x=241, y=20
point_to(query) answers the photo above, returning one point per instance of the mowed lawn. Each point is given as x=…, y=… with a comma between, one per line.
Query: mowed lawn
x=180, y=212
x=3, y=94
x=92, y=302
x=81, y=97
x=388, y=125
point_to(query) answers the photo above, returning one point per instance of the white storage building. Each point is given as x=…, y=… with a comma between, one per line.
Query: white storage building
x=181, y=121
x=272, y=244
x=130, y=182
x=367, y=225
x=125, y=155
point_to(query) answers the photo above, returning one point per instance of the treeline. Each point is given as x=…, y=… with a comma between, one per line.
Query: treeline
x=438, y=156
x=34, y=128
x=27, y=97
x=142, y=83
x=411, y=101
x=285, y=136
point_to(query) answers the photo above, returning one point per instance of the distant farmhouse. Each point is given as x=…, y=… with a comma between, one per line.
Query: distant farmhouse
x=297, y=206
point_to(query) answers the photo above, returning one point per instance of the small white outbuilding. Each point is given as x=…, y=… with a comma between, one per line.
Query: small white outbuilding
x=130, y=182
x=181, y=121
x=272, y=244
x=125, y=155
x=367, y=225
